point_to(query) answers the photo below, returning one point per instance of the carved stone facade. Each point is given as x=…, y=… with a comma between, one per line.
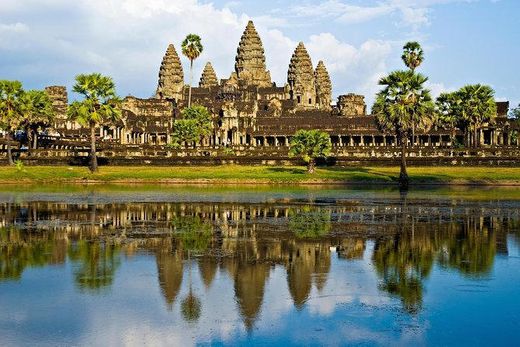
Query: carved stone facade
x=301, y=80
x=323, y=86
x=59, y=98
x=251, y=114
x=352, y=105
x=171, y=76
x=250, y=60
x=209, y=77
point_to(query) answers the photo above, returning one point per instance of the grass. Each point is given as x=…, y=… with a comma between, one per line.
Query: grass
x=233, y=174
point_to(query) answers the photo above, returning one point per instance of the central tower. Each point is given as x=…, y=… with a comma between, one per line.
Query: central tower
x=250, y=60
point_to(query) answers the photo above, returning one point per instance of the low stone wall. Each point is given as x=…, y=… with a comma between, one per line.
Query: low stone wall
x=370, y=156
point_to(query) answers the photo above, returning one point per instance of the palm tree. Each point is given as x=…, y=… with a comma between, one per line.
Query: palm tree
x=403, y=104
x=10, y=111
x=191, y=48
x=310, y=144
x=37, y=113
x=447, y=107
x=100, y=105
x=477, y=107
x=413, y=55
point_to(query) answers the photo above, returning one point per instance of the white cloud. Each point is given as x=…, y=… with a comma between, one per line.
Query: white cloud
x=14, y=28
x=437, y=88
x=352, y=69
x=127, y=39
x=412, y=13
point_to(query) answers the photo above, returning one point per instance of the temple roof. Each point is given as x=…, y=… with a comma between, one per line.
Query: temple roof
x=171, y=75
x=250, y=60
x=301, y=71
x=323, y=85
x=209, y=77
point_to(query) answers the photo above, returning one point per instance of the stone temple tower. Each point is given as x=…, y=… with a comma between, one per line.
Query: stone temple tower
x=171, y=76
x=209, y=77
x=301, y=80
x=250, y=60
x=323, y=87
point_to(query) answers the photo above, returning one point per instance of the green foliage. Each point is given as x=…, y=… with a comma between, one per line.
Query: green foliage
x=515, y=113
x=38, y=113
x=310, y=223
x=468, y=108
x=448, y=109
x=195, y=124
x=413, y=55
x=19, y=165
x=190, y=307
x=11, y=109
x=228, y=151
x=309, y=145
x=100, y=103
x=95, y=264
x=194, y=233
x=477, y=104
x=37, y=108
x=404, y=103
x=192, y=46
x=403, y=263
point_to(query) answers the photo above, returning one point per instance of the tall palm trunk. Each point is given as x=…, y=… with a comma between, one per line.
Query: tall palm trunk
x=35, y=139
x=93, y=157
x=9, y=151
x=475, y=137
x=311, y=165
x=191, y=81
x=403, y=175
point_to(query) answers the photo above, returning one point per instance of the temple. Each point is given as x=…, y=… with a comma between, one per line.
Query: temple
x=255, y=118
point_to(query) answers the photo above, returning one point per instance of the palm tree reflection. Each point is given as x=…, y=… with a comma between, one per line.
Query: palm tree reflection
x=95, y=264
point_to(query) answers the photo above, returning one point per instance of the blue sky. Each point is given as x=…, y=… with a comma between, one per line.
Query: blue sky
x=48, y=42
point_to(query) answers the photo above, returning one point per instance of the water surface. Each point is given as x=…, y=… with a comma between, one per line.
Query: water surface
x=133, y=265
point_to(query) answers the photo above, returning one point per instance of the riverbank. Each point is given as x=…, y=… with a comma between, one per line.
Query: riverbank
x=233, y=174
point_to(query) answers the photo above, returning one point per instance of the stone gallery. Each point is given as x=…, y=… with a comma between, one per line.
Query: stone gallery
x=253, y=117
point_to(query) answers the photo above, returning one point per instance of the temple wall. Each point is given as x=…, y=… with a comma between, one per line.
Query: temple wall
x=158, y=155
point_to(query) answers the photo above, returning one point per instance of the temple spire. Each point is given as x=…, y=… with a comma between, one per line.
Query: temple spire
x=323, y=86
x=301, y=78
x=171, y=76
x=250, y=60
x=209, y=77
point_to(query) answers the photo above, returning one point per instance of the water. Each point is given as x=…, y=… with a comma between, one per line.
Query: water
x=137, y=265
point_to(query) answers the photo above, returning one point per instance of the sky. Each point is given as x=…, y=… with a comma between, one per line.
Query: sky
x=48, y=42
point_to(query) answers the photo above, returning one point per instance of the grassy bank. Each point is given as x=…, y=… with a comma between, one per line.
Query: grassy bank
x=232, y=174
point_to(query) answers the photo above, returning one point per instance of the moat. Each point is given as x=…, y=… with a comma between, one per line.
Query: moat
x=134, y=265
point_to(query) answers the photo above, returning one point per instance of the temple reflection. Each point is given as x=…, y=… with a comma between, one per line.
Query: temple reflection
x=247, y=241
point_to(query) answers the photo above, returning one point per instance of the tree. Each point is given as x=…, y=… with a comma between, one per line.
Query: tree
x=310, y=223
x=515, y=113
x=194, y=126
x=477, y=106
x=413, y=55
x=100, y=105
x=403, y=104
x=447, y=107
x=10, y=111
x=310, y=144
x=37, y=114
x=95, y=264
x=191, y=48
